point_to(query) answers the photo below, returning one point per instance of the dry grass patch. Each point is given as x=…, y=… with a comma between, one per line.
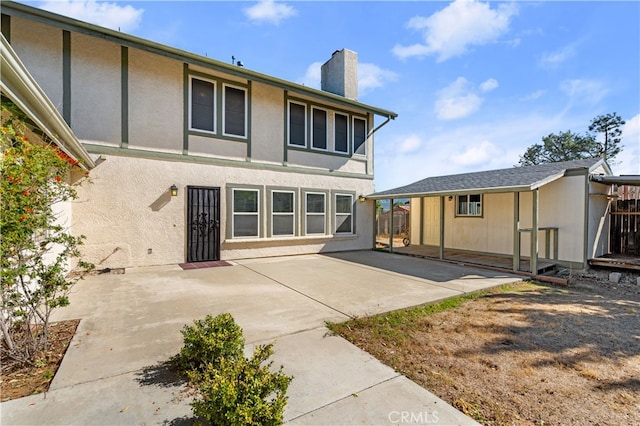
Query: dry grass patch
x=520, y=354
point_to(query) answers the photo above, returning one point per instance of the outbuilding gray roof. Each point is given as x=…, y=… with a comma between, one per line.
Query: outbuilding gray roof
x=504, y=180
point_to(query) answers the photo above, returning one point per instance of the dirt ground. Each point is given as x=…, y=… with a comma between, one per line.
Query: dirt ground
x=18, y=380
x=530, y=355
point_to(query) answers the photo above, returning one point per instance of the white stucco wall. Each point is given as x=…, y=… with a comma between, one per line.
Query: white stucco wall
x=127, y=209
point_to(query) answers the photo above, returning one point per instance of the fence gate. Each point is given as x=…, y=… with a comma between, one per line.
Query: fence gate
x=203, y=224
x=625, y=227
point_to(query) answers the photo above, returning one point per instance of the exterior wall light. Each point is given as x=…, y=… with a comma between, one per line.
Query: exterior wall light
x=362, y=199
x=174, y=190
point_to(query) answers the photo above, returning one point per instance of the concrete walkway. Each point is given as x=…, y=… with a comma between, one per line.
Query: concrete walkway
x=114, y=372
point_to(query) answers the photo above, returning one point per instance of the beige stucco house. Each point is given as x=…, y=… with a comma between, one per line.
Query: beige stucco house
x=556, y=212
x=199, y=159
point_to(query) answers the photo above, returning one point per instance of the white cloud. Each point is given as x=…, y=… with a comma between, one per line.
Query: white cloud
x=554, y=59
x=628, y=161
x=370, y=76
x=409, y=144
x=312, y=76
x=489, y=85
x=110, y=15
x=457, y=100
x=534, y=95
x=479, y=153
x=269, y=11
x=584, y=91
x=451, y=31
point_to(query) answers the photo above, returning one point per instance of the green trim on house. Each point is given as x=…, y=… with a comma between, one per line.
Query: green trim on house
x=167, y=156
x=285, y=154
x=185, y=109
x=70, y=24
x=249, y=120
x=66, y=76
x=124, y=87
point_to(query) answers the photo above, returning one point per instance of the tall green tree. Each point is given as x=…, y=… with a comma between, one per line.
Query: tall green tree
x=609, y=125
x=563, y=146
x=566, y=146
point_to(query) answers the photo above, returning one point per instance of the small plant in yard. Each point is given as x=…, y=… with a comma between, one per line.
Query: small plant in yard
x=243, y=391
x=208, y=341
x=232, y=389
x=35, y=247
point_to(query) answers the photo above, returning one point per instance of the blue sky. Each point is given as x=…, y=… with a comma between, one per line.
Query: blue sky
x=474, y=83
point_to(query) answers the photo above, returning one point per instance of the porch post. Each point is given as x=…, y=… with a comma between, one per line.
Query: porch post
x=441, y=248
x=422, y=209
x=516, y=231
x=391, y=225
x=534, y=232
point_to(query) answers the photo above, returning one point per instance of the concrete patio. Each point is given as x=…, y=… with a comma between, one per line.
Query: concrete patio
x=114, y=371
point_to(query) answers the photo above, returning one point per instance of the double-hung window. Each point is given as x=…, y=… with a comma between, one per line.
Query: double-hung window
x=246, y=213
x=203, y=105
x=469, y=205
x=297, y=124
x=344, y=214
x=319, y=126
x=315, y=213
x=341, y=133
x=235, y=111
x=282, y=213
x=359, y=136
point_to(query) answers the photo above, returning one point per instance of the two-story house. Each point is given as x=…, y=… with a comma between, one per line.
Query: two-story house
x=199, y=159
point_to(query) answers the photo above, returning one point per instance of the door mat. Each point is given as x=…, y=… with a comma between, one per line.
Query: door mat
x=201, y=265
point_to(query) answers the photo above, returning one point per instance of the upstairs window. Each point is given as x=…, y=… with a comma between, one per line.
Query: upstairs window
x=297, y=124
x=235, y=111
x=203, y=95
x=341, y=133
x=469, y=205
x=319, y=126
x=344, y=214
x=359, y=136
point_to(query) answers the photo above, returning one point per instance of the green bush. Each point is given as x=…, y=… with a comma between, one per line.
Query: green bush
x=243, y=391
x=208, y=341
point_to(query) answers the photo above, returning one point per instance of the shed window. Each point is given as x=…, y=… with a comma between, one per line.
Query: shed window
x=469, y=205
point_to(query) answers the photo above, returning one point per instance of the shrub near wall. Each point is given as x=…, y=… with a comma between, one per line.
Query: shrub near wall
x=233, y=390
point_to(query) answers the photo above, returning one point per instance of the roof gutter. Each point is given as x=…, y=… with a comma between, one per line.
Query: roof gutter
x=632, y=180
x=19, y=86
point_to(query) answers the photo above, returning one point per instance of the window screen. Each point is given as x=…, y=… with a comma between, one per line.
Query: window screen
x=341, y=133
x=297, y=125
x=202, y=105
x=234, y=111
x=319, y=129
x=359, y=136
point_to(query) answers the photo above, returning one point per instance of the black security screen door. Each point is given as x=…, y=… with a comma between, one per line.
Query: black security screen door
x=203, y=224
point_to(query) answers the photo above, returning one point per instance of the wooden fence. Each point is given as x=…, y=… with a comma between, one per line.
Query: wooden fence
x=625, y=227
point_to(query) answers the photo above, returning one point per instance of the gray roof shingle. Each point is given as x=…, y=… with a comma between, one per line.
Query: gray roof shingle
x=523, y=178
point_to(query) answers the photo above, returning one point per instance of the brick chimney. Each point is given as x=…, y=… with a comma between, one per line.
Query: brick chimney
x=339, y=75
